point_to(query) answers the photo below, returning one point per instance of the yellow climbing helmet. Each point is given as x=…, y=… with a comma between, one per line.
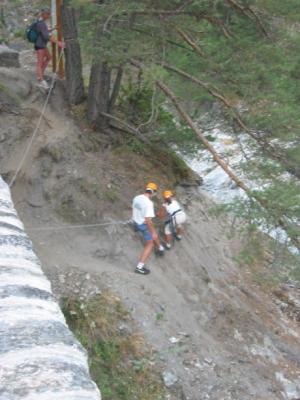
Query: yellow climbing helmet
x=152, y=186
x=167, y=194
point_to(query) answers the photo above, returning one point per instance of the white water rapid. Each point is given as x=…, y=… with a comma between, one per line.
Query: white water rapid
x=234, y=150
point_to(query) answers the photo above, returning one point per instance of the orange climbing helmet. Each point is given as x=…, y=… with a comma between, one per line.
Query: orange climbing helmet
x=167, y=194
x=152, y=186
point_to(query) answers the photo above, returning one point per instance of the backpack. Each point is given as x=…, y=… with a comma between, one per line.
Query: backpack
x=32, y=33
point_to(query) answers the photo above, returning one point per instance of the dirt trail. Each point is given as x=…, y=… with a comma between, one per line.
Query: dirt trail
x=218, y=334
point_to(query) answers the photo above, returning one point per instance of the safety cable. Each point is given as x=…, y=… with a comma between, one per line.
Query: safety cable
x=37, y=126
x=56, y=228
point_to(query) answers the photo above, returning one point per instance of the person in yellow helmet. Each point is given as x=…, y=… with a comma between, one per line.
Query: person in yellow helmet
x=175, y=218
x=142, y=214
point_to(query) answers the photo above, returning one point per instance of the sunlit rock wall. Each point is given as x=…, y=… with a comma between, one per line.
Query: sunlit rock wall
x=39, y=357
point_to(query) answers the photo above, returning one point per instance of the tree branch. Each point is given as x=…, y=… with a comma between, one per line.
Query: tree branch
x=130, y=128
x=187, y=38
x=249, y=13
x=201, y=136
x=258, y=22
x=172, y=42
x=272, y=151
x=262, y=202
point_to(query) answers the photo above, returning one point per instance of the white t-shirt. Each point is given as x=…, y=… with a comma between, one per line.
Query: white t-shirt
x=171, y=208
x=142, y=207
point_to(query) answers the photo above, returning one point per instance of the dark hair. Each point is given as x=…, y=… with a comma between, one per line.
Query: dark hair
x=151, y=191
x=45, y=10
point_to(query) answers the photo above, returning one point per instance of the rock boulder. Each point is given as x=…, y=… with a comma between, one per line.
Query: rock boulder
x=9, y=57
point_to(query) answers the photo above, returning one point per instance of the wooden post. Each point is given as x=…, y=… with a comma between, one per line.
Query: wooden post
x=53, y=46
x=59, y=38
x=53, y=24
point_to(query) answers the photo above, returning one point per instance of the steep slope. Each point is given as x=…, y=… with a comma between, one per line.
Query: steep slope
x=217, y=332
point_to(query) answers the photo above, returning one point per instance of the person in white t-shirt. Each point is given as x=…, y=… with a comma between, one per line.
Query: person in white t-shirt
x=142, y=214
x=175, y=217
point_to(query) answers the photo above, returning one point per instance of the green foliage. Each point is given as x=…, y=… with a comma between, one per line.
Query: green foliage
x=119, y=363
x=253, y=251
x=281, y=9
x=135, y=100
x=135, y=145
x=294, y=154
x=171, y=132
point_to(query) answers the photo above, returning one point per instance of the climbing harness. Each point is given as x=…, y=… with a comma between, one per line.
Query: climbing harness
x=26, y=152
x=172, y=221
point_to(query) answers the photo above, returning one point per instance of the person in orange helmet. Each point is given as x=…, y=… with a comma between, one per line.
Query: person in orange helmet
x=175, y=217
x=142, y=214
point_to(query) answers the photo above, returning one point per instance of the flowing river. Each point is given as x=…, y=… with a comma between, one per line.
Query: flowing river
x=234, y=150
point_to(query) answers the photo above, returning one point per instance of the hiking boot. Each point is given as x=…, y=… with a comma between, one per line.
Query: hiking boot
x=43, y=84
x=143, y=270
x=160, y=251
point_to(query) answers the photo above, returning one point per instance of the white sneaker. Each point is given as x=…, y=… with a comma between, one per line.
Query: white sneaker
x=168, y=246
x=43, y=84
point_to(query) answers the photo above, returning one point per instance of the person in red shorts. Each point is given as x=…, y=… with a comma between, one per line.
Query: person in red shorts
x=42, y=53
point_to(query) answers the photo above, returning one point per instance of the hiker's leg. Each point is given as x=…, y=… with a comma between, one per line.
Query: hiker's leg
x=147, y=251
x=180, y=220
x=179, y=231
x=46, y=59
x=39, y=64
x=168, y=233
x=148, y=236
x=168, y=238
x=149, y=243
x=157, y=241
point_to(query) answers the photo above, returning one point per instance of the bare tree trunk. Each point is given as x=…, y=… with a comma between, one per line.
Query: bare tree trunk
x=74, y=80
x=99, y=95
x=116, y=89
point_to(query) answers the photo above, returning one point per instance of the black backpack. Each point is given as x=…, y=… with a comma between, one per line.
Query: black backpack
x=32, y=33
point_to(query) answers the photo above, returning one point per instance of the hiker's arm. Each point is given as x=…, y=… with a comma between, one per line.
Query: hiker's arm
x=149, y=223
x=161, y=212
x=59, y=44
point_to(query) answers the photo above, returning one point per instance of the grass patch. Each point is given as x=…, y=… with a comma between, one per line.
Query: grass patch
x=270, y=262
x=252, y=254
x=119, y=363
x=111, y=195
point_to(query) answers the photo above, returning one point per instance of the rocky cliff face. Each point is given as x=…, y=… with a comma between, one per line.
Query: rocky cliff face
x=14, y=17
x=39, y=357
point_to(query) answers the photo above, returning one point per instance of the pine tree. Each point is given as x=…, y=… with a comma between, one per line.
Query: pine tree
x=233, y=52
